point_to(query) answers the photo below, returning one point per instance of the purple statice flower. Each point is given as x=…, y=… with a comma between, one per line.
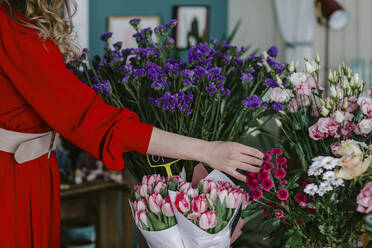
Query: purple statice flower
x=277, y=106
x=169, y=42
x=117, y=45
x=125, y=68
x=95, y=79
x=186, y=81
x=256, y=59
x=273, y=51
x=172, y=68
x=159, y=29
x=226, y=92
x=179, y=101
x=252, y=102
x=106, y=36
x=151, y=99
x=125, y=78
x=135, y=21
x=188, y=73
x=102, y=88
x=212, y=40
x=189, y=112
x=114, y=60
x=171, y=24
x=154, y=71
x=270, y=82
x=246, y=77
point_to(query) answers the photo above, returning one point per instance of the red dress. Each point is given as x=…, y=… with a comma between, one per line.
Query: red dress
x=38, y=93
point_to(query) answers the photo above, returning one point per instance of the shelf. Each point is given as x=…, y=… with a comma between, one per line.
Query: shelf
x=75, y=190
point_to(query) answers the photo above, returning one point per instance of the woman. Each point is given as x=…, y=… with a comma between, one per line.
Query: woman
x=37, y=94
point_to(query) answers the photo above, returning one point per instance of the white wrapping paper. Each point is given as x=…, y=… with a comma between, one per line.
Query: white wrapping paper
x=192, y=235
x=168, y=238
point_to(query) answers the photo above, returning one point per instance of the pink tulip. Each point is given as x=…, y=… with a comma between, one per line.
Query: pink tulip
x=182, y=203
x=155, y=200
x=142, y=189
x=212, y=196
x=140, y=204
x=246, y=200
x=159, y=187
x=222, y=194
x=199, y=204
x=224, y=185
x=193, y=216
x=166, y=207
x=142, y=217
x=208, y=186
x=177, y=178
x=208, y=220
x=150, y=180
x=233, y=198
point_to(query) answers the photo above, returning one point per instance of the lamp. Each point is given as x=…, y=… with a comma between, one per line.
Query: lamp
x=331, y=14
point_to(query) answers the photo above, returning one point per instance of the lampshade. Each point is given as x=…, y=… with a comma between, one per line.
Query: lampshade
x=335, y=14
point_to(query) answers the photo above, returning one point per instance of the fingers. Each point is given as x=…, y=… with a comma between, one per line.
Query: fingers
x=249, y=160
x=247, y=167
x=232, y=172
x=251, y=151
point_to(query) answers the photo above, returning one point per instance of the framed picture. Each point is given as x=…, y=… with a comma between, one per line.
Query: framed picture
x=192, y=26
x=123, y=31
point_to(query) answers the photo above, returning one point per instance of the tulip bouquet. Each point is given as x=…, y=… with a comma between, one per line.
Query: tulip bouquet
x=214, y=95
x=170, y=212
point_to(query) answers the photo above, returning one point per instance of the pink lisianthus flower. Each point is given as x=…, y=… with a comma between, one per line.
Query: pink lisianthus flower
x=334, y=147
x=315, y=134
x=364, y=199
x=365, y=104
x=329, y=126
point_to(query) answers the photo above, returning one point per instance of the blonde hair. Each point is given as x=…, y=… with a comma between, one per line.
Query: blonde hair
x=51, y=18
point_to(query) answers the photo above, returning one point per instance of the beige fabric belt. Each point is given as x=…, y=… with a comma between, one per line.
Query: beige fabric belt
x=26, y=146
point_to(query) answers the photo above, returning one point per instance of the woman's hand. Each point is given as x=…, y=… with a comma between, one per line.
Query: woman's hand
x=230, y=156
x=223, y=156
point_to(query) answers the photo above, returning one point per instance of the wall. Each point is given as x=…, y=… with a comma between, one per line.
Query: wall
x=260, y=29
x=81, y=23
x=100, y=10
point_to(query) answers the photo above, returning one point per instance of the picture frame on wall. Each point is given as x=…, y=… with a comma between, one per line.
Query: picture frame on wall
x=192, y=26
x=123, y=31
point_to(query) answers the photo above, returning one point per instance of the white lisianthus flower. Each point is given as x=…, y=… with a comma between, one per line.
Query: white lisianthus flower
x=310, y=67
x=339, y=116
x=277, y=95
x=311, y=189
x=365, y=126
x=297, y=78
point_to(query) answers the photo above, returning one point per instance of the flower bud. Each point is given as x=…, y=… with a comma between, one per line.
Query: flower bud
x=317, y=59
x=279, y=81
x=333, y=92
x=324, y=112
x=330, y=103
x=291, y=67
x=278, y=122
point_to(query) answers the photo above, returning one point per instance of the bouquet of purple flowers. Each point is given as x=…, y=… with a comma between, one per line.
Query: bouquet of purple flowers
x=215, y=95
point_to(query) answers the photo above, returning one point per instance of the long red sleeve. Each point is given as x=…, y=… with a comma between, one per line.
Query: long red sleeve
x=37, y=71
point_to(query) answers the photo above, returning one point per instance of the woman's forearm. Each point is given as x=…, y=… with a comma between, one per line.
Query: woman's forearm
x=172, y=145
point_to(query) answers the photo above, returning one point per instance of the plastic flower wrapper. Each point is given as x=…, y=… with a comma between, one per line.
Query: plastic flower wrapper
x=153, y=212
x=206, y=214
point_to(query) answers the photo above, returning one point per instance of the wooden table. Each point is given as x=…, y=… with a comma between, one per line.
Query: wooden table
x=105, y=204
